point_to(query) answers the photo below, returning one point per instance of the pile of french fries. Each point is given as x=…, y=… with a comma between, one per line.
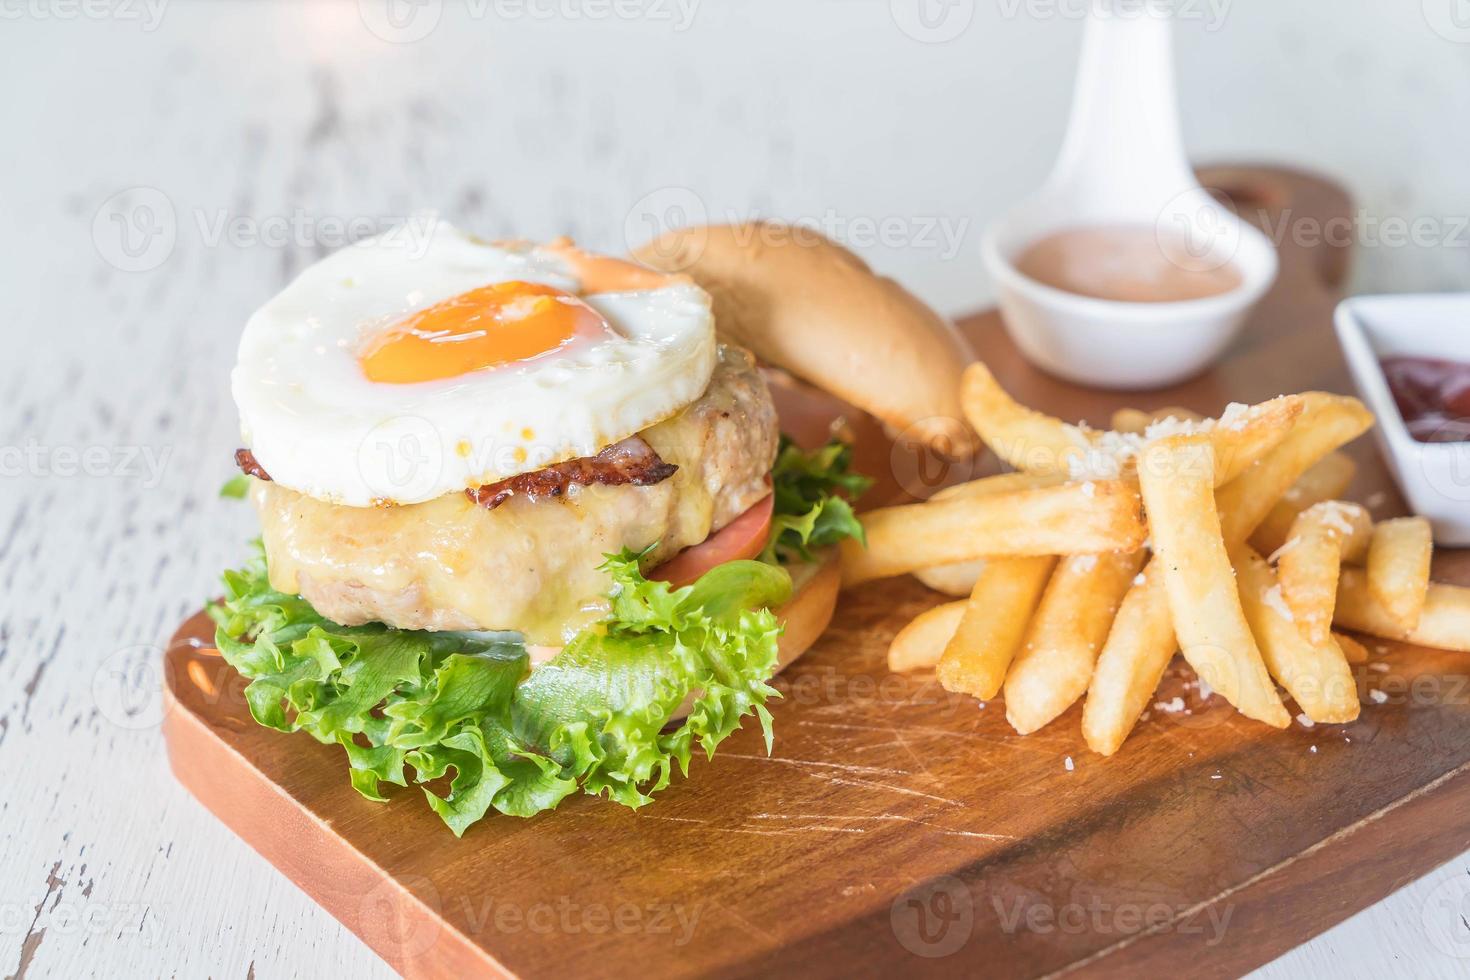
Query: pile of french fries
x=1107, y=551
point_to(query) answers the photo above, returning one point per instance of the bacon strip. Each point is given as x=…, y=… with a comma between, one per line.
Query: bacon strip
x=631, y=461
x=245, y=459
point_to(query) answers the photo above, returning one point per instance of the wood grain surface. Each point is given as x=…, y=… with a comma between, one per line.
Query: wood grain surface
x=897, y=827
x=245, y=117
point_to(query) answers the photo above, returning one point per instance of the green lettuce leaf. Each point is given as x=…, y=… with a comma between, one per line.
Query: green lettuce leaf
x=460, y=711
x=236, y=487
x=812, y=509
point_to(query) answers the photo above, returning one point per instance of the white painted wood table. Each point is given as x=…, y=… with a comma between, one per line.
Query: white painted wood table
x=168, y=166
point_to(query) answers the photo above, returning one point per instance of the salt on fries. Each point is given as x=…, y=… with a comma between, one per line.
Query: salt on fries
x=1247, y=563
x=1327, y=479
x=1322, y=538
x=1055, y=663
x=1177, y=476
x=1033, y=442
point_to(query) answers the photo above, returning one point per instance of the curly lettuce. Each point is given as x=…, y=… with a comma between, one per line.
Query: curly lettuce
x=478, y=730
x=812, y=507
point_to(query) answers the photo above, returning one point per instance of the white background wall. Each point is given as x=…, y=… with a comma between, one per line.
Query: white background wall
x=817, y=109
x=239, y=138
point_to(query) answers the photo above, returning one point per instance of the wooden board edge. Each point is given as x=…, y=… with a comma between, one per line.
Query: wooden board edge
x=408, y=933
x=1361, y=864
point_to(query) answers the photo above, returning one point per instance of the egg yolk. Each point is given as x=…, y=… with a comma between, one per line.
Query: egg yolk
x=487, y=327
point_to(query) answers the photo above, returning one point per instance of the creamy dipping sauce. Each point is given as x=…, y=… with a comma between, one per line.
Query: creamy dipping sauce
x=1124, y=263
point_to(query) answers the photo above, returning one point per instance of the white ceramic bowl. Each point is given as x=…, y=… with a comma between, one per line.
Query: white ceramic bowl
x=1434, y=477
x=1110, y=344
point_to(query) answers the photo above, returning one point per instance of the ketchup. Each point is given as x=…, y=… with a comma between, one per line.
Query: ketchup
x=1432, y=395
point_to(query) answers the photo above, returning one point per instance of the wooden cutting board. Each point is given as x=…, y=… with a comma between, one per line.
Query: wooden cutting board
x=897, y=827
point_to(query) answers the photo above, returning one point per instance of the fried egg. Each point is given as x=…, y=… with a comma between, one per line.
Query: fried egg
x=426, y=361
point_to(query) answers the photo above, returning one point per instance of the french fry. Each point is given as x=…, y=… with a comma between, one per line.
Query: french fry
x=1314, y=672
x=1062, y=643
x=921, y=643
x=1239, y=439
x=993, y=624
x=1000, y=483
x=1136, y=422
x=1142, y=640
x=1398, y=567
x=1444, y=622
x=1131, y=420
x=958, y=579
x=1352, y=651
x=1326, y=479
x=1176, y=476
x=1326, y=423
x=1138, y=649
x=1073, y=518
x=1030, y=441
x=1323, y=537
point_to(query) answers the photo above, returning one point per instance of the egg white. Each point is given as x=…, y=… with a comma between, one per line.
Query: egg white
x=317, y=425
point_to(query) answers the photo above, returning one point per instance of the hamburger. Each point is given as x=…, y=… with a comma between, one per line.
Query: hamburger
x=529, y=524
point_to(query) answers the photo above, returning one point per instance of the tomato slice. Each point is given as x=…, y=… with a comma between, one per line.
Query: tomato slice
x=744, y=537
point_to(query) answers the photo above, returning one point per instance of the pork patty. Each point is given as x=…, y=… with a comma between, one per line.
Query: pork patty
x=529, y=563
